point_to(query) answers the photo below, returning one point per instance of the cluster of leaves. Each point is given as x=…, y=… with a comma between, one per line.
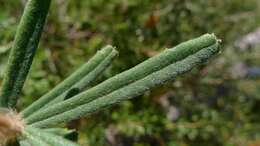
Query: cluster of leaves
x=69, y=100
x=204, y=107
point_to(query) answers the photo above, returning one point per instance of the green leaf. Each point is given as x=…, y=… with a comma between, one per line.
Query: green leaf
x=87, y=80
x=24, y=143
x=50, y=138
x=34, y=140
x=81, y=105
x=23, y=50
x=59, y=131
x=84, y=72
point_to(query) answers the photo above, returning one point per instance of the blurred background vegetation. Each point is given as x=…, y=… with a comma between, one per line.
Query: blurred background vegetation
x=217, y=104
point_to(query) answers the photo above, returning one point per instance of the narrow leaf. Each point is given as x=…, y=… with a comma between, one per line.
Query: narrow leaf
x=87, y=80
x=24, y=143
x=34, y=140
x=69, y=82
x=138, y=72
x=59, y=131
x=50, y=138
x=133, y=89
x=23, y=50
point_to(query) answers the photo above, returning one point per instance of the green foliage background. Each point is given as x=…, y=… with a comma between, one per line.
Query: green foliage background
x=211, y=106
